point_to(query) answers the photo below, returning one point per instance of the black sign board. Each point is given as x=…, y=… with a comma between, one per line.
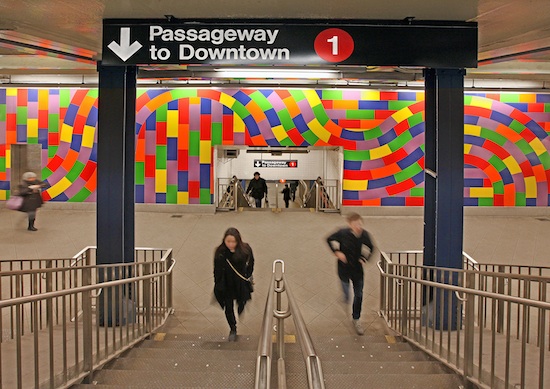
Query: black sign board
x=290, y=42
x=292, y=163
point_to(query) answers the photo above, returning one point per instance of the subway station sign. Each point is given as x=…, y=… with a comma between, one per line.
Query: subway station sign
x=276, y=163
x=290, y=42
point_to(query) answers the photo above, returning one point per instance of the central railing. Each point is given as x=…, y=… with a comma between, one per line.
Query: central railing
x=491, y=327
x=277, y=287
x=52, y=337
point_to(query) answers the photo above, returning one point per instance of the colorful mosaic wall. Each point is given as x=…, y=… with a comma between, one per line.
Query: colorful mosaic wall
x=506, y=143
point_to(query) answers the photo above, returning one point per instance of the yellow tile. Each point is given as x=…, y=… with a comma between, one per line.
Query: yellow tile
x=531, y=187
x=481, y=102
x=32, y=128
x=59, y=187
x=467, y=148
x=205, y=155
x=172, y=124
x=43, y=99
x=318, y=129
x=66, y=133
x=512, y=165
x=470, y=129
x=238, y=124
x=380, y=152
x=88, y=136
x=3, y=194
x=370, y=95
x=160, y=181
x=527, y=98
x=354, y=184
x=537, y=146
x=481, y=192
x=183, y=197
x=227, y=100
x=402, y=115
x=11, y=92
x=8, y=158
x=279, y=132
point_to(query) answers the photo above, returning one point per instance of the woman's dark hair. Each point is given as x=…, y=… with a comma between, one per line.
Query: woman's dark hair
x=242, y=248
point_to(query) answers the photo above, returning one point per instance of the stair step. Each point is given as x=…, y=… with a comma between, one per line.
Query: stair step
x=373, y=367
x=186, y=354
x=392, y=381
x=241, y=344
x=163, y=379
x=222, y=363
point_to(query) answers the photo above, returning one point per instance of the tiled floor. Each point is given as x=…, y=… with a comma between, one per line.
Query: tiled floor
x=297, y=237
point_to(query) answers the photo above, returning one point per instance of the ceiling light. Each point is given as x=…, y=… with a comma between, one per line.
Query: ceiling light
x=276, y=73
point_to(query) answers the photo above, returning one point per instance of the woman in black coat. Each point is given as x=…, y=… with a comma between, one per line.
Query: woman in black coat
x=233, y=267
x=29, y=189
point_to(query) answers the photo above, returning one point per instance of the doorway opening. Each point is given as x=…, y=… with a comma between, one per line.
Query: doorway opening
x=313, y=175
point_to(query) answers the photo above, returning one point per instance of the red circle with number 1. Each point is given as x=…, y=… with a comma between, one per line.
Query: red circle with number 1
x=334, y=45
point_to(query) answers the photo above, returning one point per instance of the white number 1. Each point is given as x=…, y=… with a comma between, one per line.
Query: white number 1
x=334, y=41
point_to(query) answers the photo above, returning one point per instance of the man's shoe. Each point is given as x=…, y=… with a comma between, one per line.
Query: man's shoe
x=232, y=336
x=358, y=327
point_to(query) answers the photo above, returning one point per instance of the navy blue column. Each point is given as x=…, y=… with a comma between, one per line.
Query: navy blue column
x=444, y=213
x=115, y=181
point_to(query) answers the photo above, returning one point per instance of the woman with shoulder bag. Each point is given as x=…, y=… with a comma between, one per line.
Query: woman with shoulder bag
x=233, y=268
x=30, y=190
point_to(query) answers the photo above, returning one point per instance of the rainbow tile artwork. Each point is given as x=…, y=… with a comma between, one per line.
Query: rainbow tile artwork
x=506, y=143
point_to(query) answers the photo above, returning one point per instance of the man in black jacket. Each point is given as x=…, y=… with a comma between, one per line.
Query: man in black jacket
x=257, y=188
x=352, y=246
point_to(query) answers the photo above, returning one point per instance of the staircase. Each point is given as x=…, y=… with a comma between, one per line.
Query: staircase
x=193, y=361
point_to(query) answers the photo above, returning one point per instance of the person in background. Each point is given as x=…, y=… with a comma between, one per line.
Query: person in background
x=29, y=189
x=352, y=246
x=257, y=188
x=286, y=195
x=233, y=268
x=293, y=187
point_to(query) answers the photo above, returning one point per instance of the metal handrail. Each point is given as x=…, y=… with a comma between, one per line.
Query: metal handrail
x=34, y=310
x=277, y=286
x=398, y=308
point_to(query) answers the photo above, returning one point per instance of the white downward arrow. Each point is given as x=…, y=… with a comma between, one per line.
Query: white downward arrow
x=125, y=50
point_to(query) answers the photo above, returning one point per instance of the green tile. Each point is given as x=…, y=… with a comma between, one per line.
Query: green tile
x=194, y=143
x=171, y=194
x=360, y=114
x=75, y=171
x=373, y=133
x=417, y=192
x=217, y=134
x=297, y=94
x=467, y=100
x=408, y=172
x=93, y=93
x=320, y=114
x=516, y=126
x=310, y=137
x=160, y=157
x=205, y=197
x=262, y=101
x=485, y=202
x=509, y=98
x=140, y=173
x=81, y=196
x=183, y=93
x=545, y=160
x=240, y=110
x=46, y=173
x=498, y=187
x=52, y=150
x=32, y=140
x=331, y=94
x=520, y=199
x=64, y=98
x=3, y=112
x=2, y=164
x=162, y=113
x=400, y=141
x=497, y=163
x=287, y=142
x=356, y=155
x=415, y=119
x=396, y=105
x=494, y=136
x=286, y=119
x=524, y=146
x=53, y=122
x=21, y=115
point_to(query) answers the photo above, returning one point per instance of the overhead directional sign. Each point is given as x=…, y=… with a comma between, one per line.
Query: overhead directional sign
x=290, y=42
x=292, y=163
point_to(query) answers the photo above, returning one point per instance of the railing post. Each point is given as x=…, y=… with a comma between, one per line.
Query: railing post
x=383, y=308
x=405, y=306
x=147, y=298
x=87, y=334
x=500, y=290
x=469, y=327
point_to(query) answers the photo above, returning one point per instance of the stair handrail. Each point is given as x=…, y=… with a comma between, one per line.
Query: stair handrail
x=277, y=286
x=402, y=315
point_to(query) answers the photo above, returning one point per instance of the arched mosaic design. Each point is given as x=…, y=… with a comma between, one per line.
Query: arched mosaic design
x=506, y=141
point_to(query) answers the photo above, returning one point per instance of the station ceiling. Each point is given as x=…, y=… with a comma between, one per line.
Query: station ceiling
x=58, y=37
